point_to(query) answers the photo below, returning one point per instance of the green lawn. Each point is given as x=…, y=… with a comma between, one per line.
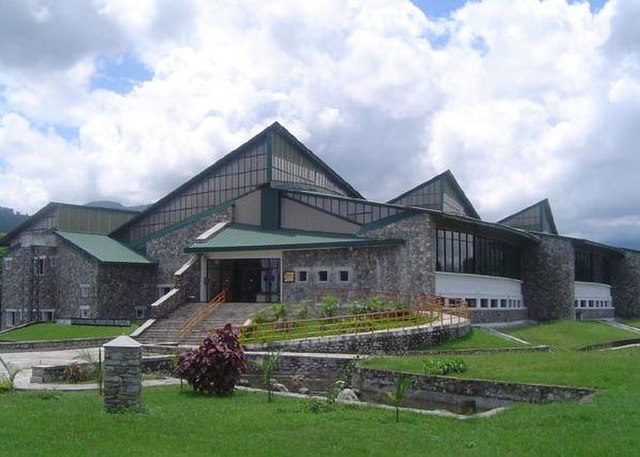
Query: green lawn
x=178, y=424
x=599, y=369
x=632, y=322
x=567, y=335
x=53, y=331
x=477, y=338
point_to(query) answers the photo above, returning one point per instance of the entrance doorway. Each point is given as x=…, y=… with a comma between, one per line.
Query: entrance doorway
x=246, y=280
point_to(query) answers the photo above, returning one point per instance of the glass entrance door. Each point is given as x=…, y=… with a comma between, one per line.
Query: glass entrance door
x=246, y=280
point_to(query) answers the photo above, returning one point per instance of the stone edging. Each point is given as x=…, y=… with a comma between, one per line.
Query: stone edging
x=53, y=345
x=541, y=348
x=367, y=379
x=610, y=344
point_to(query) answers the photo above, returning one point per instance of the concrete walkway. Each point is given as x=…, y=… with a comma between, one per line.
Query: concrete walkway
x=23, y=361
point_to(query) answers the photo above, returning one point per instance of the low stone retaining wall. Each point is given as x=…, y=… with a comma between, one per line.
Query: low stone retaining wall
x=378, y=342
x=484, y=393
x=488, y=315
x=29, y=346
x=610, y=344
x=585, y=314
x=482, y=351
x=53, y=373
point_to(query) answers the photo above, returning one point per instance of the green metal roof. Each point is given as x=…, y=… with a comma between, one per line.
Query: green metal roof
x=103, y=248
x=251, y=238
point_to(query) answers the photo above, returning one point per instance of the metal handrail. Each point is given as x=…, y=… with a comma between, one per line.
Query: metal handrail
x=201, y=314
x=354, y=323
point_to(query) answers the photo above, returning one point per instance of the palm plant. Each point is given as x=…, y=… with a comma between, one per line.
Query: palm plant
x=267, y=364
x=402, y=384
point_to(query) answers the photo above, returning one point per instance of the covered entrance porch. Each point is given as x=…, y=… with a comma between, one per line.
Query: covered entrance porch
x=245, y=280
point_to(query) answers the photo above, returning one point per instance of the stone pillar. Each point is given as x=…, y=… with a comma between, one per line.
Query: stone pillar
x=122, y=370
x=625, y=279
x=548, y=279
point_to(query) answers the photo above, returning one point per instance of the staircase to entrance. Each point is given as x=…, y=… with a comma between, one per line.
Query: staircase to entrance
x=168, y=330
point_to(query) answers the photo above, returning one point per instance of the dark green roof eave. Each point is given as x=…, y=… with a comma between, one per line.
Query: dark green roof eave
x=490, y=225
x=301, y=246
x=136, y=259
x=581, y=241
x=242, y=237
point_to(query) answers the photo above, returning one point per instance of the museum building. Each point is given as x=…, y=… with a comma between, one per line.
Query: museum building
x=271, y=222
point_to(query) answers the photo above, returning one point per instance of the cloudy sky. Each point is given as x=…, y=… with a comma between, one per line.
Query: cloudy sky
x=521, y=99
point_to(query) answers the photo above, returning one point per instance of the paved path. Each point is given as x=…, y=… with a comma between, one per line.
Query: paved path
x=23, y=361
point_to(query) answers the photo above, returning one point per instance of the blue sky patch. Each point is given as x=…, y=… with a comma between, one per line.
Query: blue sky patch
x=120, y=74
x=442, y=8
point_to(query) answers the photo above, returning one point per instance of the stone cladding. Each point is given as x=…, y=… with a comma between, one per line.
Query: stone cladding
x=548, y=279
x=625, y=279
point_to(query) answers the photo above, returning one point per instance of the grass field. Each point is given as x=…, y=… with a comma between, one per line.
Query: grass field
x=567, y=335
x=477, y=338
x=632, y=322
x=53, y=331
x=176, y=424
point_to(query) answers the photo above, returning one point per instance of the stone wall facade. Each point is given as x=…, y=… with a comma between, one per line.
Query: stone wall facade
x=30, y=283
x=407, y=268
x=548, y=279
x=625, y=279
x=168, y=250
x=123, y=289
x=77, y=283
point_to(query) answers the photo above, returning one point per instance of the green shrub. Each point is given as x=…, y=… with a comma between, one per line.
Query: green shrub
x=329, y=306
x=5, y=385
x=375, y=303
x=263, y=316
x=279, y=311
x=444, y=366
x=301, y=311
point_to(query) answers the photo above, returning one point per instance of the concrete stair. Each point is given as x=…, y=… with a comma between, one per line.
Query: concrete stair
x=166, y=330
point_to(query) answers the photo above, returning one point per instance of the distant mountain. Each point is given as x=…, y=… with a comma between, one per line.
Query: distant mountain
x=115, y=205
x=10, y=219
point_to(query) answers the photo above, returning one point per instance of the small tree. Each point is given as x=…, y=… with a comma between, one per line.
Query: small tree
x=329, y=305
x=267, y=364
x=216, y=366
x=402, y=383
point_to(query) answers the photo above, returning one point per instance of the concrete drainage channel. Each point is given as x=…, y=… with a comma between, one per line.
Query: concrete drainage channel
x=316, y=374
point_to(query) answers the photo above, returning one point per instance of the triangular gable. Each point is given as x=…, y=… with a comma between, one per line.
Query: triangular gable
x=78, y=218
x=537, y=218
x=442, y=193
x=273, y=155
x=295, y=164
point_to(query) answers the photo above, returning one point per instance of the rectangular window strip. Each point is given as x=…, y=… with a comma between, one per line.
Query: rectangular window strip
x=592, y=303
x=494, y=303
x=461, y=252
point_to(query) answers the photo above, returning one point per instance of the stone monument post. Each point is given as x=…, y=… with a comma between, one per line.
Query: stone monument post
x=122, y=374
